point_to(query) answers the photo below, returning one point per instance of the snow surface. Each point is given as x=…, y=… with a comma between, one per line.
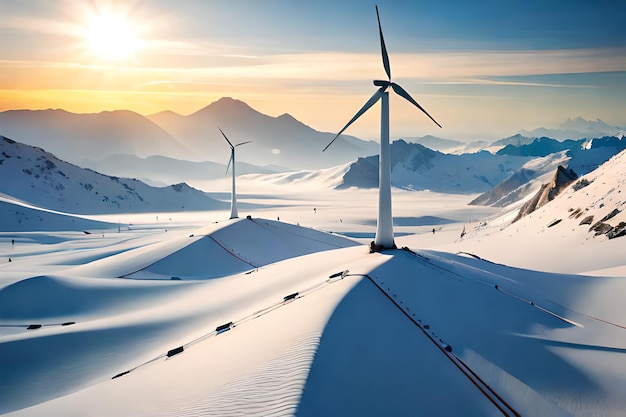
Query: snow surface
x=504, y=320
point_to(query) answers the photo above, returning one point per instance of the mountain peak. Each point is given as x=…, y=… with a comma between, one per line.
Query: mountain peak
x=226, y=104
x=287, y=118
x=164, y=113
x=580, y=123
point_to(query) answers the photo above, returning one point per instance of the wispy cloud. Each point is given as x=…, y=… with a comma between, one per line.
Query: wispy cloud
x=465, y=66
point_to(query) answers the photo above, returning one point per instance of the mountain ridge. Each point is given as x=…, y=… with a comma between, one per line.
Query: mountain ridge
x=73, y=136
x=43, y=180
x=282, y=140
x=419, y=168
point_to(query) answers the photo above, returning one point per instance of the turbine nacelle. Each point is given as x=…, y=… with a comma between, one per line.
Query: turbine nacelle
x=232, y=149
x=383, y=86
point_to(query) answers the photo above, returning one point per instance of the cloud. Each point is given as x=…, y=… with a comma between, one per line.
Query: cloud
x=438, y=66
x=453, y=67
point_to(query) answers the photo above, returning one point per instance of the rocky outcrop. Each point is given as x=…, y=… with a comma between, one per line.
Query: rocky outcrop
x=548, y=192
x=603, y=228
x=517, y=186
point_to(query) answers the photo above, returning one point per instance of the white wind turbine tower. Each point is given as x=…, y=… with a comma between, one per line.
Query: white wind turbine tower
x=384, y=228
x=233, y=198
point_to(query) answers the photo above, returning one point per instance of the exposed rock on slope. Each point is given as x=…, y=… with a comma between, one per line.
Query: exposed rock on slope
x=601, y=227
x=548, y=192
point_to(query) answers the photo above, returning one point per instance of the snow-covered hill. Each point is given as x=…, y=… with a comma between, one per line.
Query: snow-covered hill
x=38, y=177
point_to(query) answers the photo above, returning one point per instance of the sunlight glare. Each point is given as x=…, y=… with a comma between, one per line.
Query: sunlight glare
x=111, y=37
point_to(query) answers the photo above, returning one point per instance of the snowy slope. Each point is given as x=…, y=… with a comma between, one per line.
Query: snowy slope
x=40, y=178
x=394, y=333
x=523, y=182
x=563, y=226
x=16, y=216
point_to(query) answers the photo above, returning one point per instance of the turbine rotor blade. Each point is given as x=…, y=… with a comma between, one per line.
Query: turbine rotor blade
x=377, y=95
x=383, y=49
x=402, y=92
x=231, y=145
x=232, y=157
x=242, y=143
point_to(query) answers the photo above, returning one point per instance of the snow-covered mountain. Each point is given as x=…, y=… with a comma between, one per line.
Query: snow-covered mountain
x=581, y=156
x=419, y=168
x=574, y=227
x=542, y=146
x=515, y=140
x=38, y=177
x=282, y=140
x=522, y=182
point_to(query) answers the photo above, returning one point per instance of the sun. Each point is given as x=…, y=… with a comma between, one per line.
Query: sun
x=111, y=37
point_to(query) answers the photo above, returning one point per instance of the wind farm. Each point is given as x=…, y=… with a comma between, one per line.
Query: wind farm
x=141, y=274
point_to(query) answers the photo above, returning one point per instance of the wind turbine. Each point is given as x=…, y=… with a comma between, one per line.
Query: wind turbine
x=384, y=228
x=233, y=198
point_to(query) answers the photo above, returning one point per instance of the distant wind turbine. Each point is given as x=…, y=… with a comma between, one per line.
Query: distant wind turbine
x=384, y=228
x=233, y=198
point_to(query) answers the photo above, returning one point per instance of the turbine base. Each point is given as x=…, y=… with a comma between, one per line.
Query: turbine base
x=379, y=248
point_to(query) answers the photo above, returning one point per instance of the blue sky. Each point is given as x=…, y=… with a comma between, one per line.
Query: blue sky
x=481, y=68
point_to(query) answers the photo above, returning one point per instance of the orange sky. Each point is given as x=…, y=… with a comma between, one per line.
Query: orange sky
x=148, y=57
